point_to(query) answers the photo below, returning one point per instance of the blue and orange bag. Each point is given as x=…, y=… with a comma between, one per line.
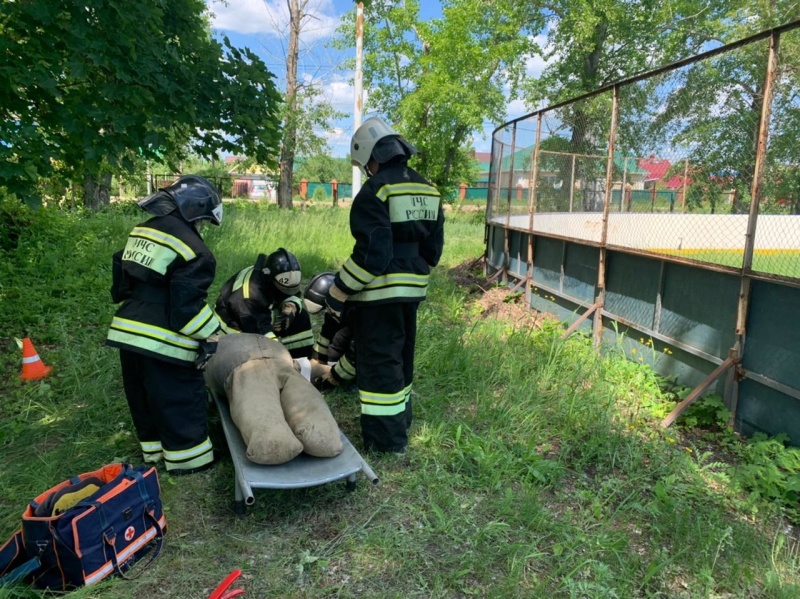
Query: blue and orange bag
x=86, y=529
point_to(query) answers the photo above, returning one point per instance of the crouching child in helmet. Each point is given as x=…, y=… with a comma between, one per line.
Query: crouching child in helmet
x=264, y=299
x=162, y=278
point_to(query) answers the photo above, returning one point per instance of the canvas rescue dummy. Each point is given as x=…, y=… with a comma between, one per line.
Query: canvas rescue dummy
x=278, y=412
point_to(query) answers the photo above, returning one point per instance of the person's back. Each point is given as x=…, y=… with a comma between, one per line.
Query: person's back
x=397, y=224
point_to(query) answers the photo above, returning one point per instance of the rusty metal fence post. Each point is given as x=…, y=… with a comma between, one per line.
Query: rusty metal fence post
x=601, y=268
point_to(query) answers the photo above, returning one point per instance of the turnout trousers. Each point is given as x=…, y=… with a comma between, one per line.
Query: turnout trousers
x=385, y=336
x=168, y=405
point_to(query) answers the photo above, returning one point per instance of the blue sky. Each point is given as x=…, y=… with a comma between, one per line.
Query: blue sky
x=262, y=26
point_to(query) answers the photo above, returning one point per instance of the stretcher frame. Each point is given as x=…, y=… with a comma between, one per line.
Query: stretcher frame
x=302, y=471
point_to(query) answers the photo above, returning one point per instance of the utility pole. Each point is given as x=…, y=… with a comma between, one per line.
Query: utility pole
x=359, y=102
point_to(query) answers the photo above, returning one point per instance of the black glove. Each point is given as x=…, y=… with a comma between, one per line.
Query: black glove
x=286, y=318
x=334, y=302
x=208, y=348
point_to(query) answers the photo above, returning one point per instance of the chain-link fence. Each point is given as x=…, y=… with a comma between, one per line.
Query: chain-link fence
x=668, y=163
x=661, y=215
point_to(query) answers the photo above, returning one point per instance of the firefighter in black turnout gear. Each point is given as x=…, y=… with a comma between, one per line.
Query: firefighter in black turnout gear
x=263, y=299
x=162, y=277
x=398, y=225
x=334, y=344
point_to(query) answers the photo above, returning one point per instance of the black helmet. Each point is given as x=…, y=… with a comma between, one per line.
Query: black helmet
x=194, y=196
x=283, y=270
x=316, y=290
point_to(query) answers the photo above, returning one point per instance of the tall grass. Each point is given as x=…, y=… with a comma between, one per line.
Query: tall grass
x=534, y=470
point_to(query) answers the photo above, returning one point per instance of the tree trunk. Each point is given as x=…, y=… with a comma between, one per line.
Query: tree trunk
x=289, y=144
x=96, y=191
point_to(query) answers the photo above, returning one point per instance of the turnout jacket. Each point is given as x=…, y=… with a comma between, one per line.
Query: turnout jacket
x=397, y=222
x=335, y=342
x=162, y=277
x=246, y=303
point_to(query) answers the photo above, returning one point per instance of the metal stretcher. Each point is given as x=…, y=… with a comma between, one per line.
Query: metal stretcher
x=302, y=471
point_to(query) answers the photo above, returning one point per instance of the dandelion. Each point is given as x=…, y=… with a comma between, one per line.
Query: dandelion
x=671, y=441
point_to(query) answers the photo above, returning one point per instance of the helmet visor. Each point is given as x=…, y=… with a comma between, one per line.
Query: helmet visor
x=216, y=215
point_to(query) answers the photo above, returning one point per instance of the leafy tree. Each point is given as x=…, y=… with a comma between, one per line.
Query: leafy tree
x=440, y=80
x=590, y=44
x=716, y=111
x=90, y=87
x=324, y=168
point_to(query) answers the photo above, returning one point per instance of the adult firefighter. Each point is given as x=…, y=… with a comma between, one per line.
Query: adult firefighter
x=398, y=225
x=248, y=299
x=334, y=344
x=162, y=277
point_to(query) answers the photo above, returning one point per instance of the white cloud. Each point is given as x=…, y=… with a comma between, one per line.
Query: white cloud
x=516, y=108
x=534, y=65
x=271, y=17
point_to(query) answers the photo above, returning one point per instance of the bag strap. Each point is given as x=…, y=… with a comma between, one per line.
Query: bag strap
x=15, y=564
x=109, y=536
x=22, y=571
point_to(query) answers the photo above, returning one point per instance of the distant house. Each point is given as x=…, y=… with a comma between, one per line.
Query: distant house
x=657, y=170
x=252, y=185
x=629, y=172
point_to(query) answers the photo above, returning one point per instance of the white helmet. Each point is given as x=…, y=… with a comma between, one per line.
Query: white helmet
x=367, y=136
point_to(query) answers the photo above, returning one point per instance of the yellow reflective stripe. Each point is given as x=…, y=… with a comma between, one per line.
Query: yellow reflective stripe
x=394, y=285
x=373, y=397
x=171, y=241
x=345, y=369
x=242, y=281
x=406, y=188
x=299, y=340
x=153, y=332
x=150, y=446
x=383, y=404
x=375, y=295
x=228, y=330
x=202, y=325
x=406, y=208
x=398, y=278
x=186, y=454
x=353, y=276
x=293, y=299
x=152, y=345
x=271, y=335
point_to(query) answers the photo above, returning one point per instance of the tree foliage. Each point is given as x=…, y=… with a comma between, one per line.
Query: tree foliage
x=439, y=81
x=86, y=87
x=324, y=168
x=716, y=109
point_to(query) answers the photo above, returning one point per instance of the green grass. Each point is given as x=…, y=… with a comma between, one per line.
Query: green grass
x=776, y=262
x=536, y=468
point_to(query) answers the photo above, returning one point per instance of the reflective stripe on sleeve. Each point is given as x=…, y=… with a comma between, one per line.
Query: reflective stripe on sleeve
x=353, y=276
x=202, y=325
x=396, y=285
x=303, y=339
x=153, y=339
x=242, y=281
x=345, y=369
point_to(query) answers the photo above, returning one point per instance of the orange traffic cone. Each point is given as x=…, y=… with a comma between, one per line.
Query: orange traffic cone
x=32, y=366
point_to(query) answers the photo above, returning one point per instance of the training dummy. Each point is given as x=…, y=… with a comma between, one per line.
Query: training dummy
x=278, y=412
